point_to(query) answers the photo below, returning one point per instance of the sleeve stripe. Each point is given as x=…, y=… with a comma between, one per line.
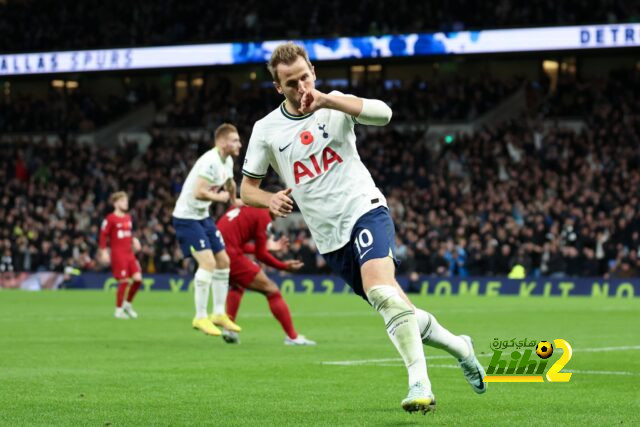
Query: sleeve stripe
x=252, y=175
x=354, y=120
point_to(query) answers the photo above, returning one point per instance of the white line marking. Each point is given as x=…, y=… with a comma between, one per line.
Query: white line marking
x=581, y=372
x=361, y=362
x=429, y=358
x=602, y=372
x=598, y=349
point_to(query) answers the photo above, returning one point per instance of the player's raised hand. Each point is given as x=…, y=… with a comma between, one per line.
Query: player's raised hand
x=311, y=101
x=293, y=265
x=280, y=205
x=280, y=245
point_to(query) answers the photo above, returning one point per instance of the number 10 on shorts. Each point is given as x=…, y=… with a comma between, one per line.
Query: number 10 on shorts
x=363, y=242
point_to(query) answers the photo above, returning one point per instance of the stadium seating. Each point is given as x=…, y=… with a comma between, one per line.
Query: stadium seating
x=58, y=112
x=29, y=25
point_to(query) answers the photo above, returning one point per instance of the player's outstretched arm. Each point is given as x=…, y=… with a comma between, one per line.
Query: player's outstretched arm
x=366, y=111
x=262, y=253
x=279, y=204
x=293, y=265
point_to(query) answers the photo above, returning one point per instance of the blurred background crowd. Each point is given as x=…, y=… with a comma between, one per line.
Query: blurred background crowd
x=556, y=201
x=527, y=191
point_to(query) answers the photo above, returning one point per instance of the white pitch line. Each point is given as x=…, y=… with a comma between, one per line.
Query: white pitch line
x=429, y=358
x=365, y=361
x=602, y=372
x=430, y=365
x=361, y=362
x=580, y=372
x=598, y=349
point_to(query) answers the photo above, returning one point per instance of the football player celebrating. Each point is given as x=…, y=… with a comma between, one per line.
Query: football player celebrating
x=309, y=140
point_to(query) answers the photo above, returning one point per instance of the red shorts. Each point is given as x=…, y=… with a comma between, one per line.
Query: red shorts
x=124, y=267
x=243, y=270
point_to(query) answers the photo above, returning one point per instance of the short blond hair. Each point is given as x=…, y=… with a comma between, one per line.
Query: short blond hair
x=117, y=196
x=224, y=130
x=286, y=53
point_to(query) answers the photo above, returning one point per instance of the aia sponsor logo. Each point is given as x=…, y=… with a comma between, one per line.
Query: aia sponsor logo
x=314, y=166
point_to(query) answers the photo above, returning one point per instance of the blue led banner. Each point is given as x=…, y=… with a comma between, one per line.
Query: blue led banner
x=388, y=46
x=327, y=284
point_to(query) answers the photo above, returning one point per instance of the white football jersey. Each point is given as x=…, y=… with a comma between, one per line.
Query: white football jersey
x=316, y=156
x=210, y=167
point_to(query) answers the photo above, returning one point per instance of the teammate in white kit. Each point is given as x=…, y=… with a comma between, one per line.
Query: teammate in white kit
x=197, y=232
x=309, y=140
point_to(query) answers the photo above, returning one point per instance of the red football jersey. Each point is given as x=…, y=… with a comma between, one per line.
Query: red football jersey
x=240, y=226
x=119, y=231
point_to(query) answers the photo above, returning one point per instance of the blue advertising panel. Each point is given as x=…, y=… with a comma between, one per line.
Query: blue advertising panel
x=425, y=285
x=385, y=46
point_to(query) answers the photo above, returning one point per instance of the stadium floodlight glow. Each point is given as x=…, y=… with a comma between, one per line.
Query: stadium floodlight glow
x=386, y=46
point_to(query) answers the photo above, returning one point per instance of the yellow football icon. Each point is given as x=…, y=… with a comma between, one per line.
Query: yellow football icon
x=544, y=349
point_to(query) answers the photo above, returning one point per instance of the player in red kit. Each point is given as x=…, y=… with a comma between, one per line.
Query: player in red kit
x=239, y=227
x=117, y=228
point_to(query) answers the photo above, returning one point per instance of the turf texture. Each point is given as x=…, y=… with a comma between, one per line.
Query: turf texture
x=64, y=360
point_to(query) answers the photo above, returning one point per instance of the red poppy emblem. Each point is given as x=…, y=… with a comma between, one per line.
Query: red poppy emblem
x=306, y=137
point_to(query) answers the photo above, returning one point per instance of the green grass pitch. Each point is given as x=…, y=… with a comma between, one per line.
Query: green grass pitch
x=65, y=361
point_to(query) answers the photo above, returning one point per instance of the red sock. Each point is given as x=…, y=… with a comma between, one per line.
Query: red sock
x=122, y=288
x=280, y=311
x=133, y=289
x=233, y=301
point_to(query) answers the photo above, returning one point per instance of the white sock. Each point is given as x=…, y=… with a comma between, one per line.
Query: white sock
x=202, y=282
x=220, y=288
x=434, y=335
x=402, y=328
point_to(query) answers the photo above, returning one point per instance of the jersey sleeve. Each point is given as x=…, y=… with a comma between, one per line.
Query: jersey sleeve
x=349, y=119
x=206, y=169
x=105, y=229
x=256, y=161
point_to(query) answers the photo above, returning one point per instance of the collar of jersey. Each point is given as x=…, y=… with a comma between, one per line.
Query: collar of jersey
x=290, y=116
x=218, y=151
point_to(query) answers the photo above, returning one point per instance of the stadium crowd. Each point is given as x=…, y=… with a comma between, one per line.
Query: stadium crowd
x=451, y=99
x=30, y=25
x=66, y=111
x=556, y=201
